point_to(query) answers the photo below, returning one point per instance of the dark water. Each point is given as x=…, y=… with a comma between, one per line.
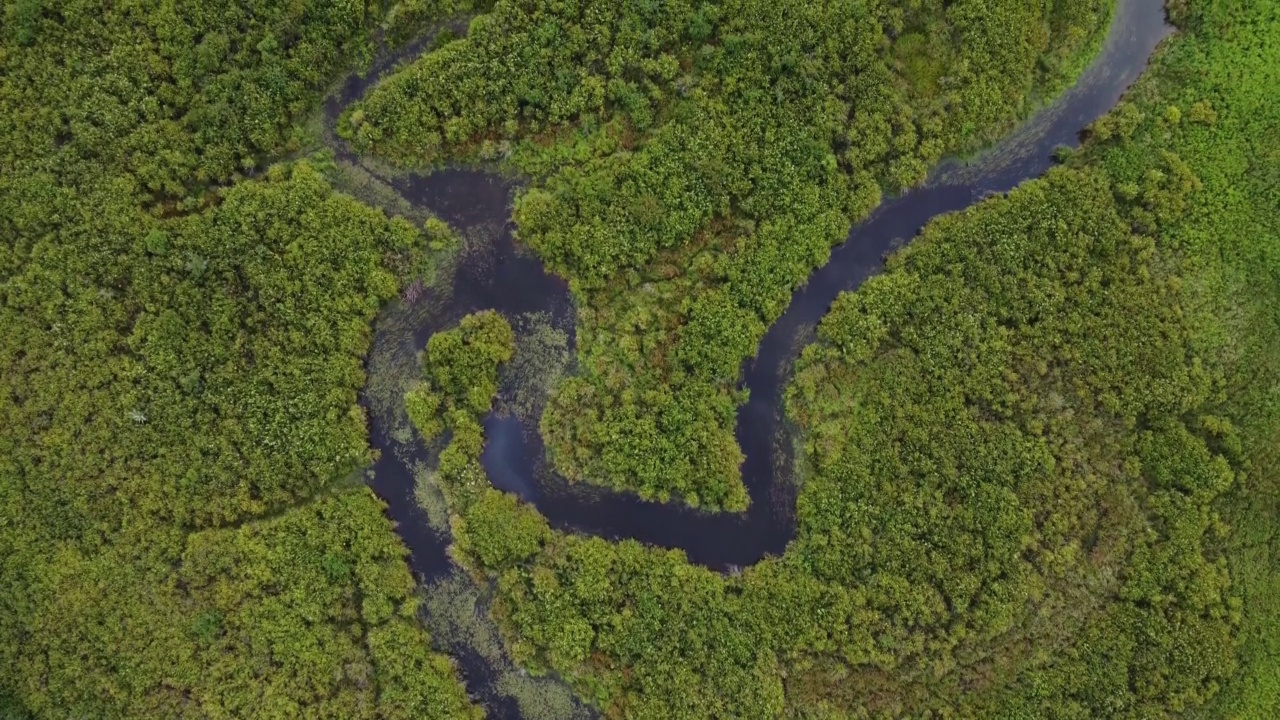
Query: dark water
x=494, y=273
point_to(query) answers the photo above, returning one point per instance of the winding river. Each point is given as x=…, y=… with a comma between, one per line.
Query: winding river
x=494, y=272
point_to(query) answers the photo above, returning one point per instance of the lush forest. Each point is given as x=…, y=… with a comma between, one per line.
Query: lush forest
x=1039, y=455
x=179, y=363
x=692, y=162
x=1039, y=460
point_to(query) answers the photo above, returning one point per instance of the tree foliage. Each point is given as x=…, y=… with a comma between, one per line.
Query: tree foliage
x=1041, y=449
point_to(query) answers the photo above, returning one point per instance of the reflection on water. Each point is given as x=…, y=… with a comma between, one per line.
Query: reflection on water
x=504, y=441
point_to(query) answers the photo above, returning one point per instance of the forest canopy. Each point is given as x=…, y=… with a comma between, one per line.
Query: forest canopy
x=1038, y=455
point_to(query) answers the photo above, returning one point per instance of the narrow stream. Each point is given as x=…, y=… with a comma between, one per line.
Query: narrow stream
x=494, y=273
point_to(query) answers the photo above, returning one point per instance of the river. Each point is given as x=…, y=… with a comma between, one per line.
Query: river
x=494, y=272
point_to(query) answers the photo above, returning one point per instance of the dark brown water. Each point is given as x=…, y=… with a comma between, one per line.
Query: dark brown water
x=495, y=274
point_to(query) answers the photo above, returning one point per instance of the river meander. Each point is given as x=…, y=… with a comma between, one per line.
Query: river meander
x=493, y=272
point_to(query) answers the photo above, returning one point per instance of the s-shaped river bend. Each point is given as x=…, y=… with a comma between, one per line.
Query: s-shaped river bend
x=499, y=275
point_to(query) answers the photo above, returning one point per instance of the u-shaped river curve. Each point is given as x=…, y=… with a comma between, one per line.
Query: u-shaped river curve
x=497, y=275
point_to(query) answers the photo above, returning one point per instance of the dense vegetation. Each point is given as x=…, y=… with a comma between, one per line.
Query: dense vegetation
x=1040, y=452
x=1040, y=457
x=179, y=362
x=692, y=162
